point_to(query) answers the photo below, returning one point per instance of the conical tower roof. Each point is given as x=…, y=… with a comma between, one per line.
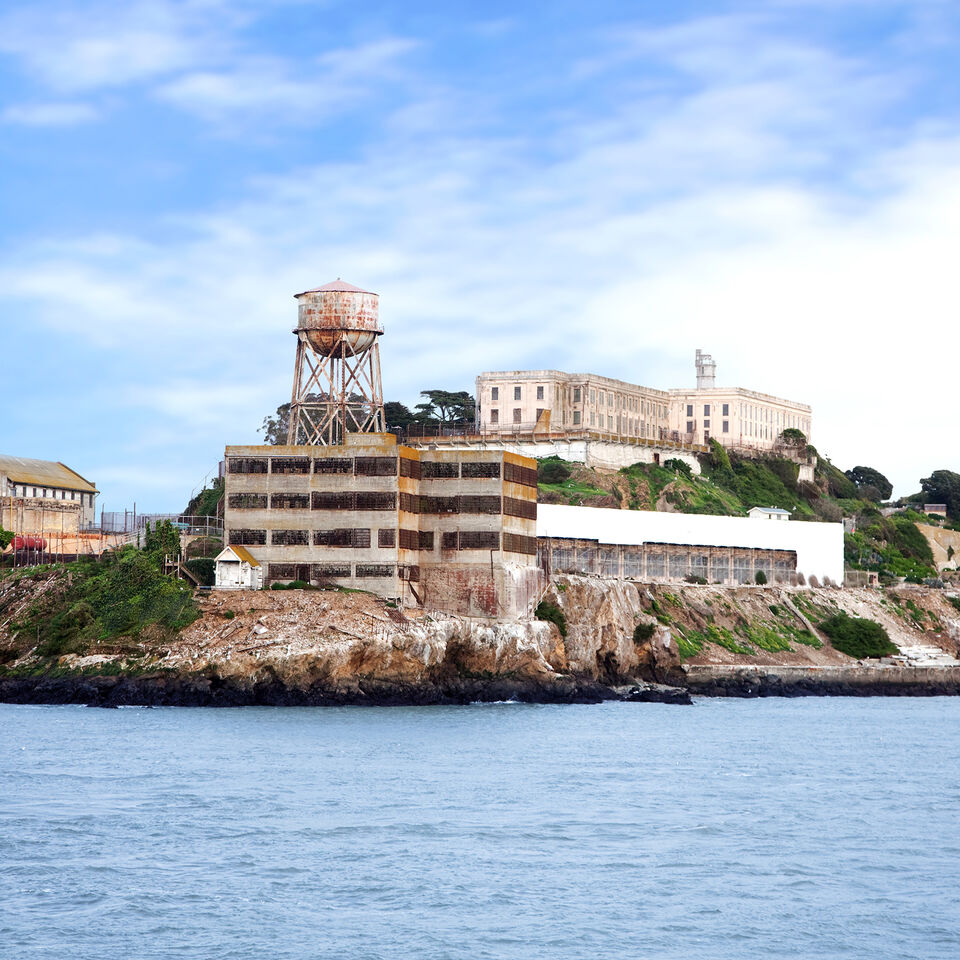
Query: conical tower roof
x=336, y=286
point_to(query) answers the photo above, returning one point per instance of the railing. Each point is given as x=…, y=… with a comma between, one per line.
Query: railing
x=532, y=432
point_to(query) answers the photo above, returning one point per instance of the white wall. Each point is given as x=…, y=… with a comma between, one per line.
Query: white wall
x=819, y=546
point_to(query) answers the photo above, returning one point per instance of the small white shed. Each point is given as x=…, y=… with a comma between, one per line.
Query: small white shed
x=238, y=569
x=768, y=513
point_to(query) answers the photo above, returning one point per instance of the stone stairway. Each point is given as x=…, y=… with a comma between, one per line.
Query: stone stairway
x=923, y=655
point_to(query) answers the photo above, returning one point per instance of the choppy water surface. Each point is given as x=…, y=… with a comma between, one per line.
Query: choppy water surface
x=731, y=829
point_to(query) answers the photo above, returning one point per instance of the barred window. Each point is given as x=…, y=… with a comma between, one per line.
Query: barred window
x=376, y=500
x=409, y=503
x=342, y=537
x=485, y=470
x=321, y=571
x=426, y=540
x=289, y=501
x=247, y=465
x=525, y=509
x=376, y=570
x=289, y=538
x=480, y=504
x=449, y=540
x=281, y=571
x=439, y=504
x=409, y=539
x=479, y=540
x=678, y=564
x=514, y=473
x=247, y=501
x=333, y=465
x=289, y=464
x=410, y=468
x=376, y=466
x=439, y=469
x=515, y=543
x=244, y=538
x=656, y=565
x=410, y=572
x=386, y=538
x=322, y=500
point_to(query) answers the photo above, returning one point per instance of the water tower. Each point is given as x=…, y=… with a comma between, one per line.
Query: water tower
x=336, y=382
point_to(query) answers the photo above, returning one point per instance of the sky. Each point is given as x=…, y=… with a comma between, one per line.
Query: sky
x=597, y=188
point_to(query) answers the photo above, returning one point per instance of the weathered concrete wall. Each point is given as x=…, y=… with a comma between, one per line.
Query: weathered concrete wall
x=945, y=545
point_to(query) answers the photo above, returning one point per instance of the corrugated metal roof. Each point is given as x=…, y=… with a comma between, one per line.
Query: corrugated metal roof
x=241, y=553
x=44, y=472
x=334, y=286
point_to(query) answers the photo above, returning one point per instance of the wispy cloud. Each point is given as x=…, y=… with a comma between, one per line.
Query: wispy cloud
x=49, y=114
x=289, y=92
x=103, y=44
x=747, y=189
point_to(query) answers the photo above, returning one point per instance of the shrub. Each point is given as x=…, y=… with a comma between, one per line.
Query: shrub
x=642, y=632
x=204, y=569
x=552, y=614
x=552, y=470
x=857, y=637
x=760, y=577
x=693, y=578
x=678, y=466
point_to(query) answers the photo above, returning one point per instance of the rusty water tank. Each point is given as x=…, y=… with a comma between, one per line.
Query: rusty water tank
x=339, y=315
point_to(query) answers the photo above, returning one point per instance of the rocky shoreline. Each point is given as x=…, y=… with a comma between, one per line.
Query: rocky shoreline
x=212, y=690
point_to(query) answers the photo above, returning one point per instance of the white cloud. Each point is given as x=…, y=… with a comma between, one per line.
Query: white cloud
x=105, y=44
x=49, y=114
x=741, y=214
x=299, y=93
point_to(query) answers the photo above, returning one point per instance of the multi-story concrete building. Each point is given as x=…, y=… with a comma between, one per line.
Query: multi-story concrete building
x=448, y=529
x=738, y=418
x=552, y=401
x=517, y=403
x=43, y=497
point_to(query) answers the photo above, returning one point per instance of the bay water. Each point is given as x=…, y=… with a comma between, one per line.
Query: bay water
x=825, y=828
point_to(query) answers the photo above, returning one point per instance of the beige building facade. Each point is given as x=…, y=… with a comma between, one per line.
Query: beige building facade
x=529, y=402
x=44, y=497
x=518, y=401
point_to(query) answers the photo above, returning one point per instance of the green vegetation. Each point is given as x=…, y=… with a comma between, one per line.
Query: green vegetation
x=553, y=614
x=857, y=637
x=6, y=536
x=204, y=569
x=120, y=596
x=295, y=585
x=943, y=486
x=643, y=632
x=552, y=470
x=760, y=577
x=207, y=502
x=568, y=486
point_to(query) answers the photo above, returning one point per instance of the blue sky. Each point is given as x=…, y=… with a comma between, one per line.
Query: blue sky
x=599, y=187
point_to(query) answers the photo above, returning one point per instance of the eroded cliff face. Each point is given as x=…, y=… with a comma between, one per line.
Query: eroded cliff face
x=342, y=647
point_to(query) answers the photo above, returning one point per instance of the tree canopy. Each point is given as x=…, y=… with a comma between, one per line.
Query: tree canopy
x=943, y=486
x=871, y=484
x=445, y=406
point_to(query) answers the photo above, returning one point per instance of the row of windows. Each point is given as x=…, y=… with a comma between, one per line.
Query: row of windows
x=49, y=493
x=359, y=538
x=318, y=572
x=517, y=393
x=725, y=411
x=368, y=466
x=385, y=500
x=358, y=466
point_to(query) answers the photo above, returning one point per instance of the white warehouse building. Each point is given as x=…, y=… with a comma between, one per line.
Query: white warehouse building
x=650, y=545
